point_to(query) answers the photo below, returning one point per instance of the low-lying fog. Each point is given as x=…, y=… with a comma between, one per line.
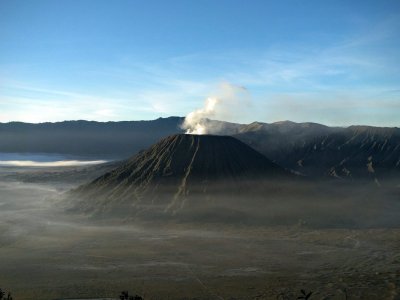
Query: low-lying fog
x=46, y=253
x=45, y=160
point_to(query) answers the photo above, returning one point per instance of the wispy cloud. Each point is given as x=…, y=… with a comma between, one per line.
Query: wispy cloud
x=38, y=104
x=64, y=163
x=310, y=81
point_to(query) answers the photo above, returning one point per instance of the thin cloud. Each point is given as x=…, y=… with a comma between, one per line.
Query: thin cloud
x=63, y=163
x=178, y=85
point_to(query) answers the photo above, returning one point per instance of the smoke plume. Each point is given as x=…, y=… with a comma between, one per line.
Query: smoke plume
x=229, y=103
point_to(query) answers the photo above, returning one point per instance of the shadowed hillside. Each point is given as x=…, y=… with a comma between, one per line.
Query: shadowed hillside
x=176, y=167
x=309, y=148
x=112, y=139
x=316, y=150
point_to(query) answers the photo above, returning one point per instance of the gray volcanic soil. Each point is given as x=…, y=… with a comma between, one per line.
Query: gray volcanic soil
x=164, y=176
x=47, y=254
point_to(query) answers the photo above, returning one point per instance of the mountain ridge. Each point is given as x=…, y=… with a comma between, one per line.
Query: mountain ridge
x=308, y=148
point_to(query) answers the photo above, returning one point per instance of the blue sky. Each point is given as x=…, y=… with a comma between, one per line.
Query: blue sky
x=332, y=62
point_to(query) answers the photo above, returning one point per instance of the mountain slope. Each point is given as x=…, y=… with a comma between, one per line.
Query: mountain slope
x=356, y=151
x=276, y=140
x=316, y=150
x=176, y=167
x=309, y=148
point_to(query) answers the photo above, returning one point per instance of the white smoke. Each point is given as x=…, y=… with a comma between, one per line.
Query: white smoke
x=229, y=103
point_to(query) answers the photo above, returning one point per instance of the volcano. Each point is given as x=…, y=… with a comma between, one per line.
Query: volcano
x=174, y=169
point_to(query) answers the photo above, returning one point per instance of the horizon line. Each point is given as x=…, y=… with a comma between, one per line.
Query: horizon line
x=169, y=117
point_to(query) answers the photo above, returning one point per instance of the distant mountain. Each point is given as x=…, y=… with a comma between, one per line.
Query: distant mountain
x=86, y=138
x=308, y=148
x=316, y=150
x=170, y=171
x=356, y=151
x=277, y=140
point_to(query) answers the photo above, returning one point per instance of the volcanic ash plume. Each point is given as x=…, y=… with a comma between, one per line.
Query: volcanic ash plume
x=229, y=103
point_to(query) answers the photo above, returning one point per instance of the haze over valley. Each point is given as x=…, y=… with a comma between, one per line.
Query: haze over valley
x=199, y=150
x=183, y=217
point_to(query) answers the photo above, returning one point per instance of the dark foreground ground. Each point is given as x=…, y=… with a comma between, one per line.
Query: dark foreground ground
x=46, y=254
